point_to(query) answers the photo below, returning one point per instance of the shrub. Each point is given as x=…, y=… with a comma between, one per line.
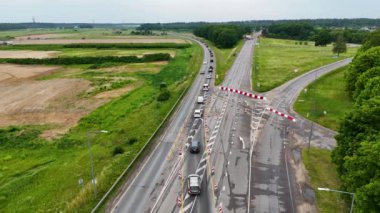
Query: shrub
x=117, y=150
x=164, y=95
x=132, y=140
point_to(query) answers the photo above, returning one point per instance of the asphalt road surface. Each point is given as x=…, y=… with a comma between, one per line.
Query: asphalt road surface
x=244, y=156
x=141, y=192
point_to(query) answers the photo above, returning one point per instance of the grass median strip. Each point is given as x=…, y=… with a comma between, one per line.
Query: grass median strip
x=224, y=59
x=277, y=61
x=325, y=101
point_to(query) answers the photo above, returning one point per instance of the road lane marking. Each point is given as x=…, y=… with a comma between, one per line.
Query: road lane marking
x=201, y=168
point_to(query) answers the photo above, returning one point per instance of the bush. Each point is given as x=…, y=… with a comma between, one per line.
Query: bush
x=131, y=141
x=117, y=150
x=164, y=95
x=163, y=86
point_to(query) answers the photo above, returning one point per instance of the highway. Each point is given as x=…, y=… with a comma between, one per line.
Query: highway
x=245, y=158
x=139, y=194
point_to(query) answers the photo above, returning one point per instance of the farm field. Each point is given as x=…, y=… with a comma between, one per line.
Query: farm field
x=49, y=110
x=277, y=61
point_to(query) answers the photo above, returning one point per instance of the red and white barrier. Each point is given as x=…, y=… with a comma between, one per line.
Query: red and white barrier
x=281, y=114
x=243, y=93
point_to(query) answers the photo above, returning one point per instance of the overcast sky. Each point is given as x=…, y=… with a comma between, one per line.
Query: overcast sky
x=142, y=11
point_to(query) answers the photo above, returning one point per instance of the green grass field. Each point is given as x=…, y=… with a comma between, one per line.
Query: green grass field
x=42, y=176
x=277, y=61
x=224, y=60
x=322, y=173
x=330, y=96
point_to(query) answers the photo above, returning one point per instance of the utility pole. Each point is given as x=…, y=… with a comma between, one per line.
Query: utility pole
x=93, y=180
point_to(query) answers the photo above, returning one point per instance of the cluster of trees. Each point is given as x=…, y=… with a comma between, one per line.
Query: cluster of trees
x=89, y=60
x=323, y=37
x=307, y=31
x=358, y=142
x=223, y=36
x=293, y=30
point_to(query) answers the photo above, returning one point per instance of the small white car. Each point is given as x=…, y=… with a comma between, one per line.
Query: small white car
x=200, y=100
x=197, y=113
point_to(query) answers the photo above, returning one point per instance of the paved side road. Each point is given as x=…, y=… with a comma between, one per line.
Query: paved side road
x=274, y=186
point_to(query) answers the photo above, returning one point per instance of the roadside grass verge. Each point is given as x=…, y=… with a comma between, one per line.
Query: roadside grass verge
x=326, y=94
x=322, y=173
x=46, y=178
x=277, y=61
x=224, y=59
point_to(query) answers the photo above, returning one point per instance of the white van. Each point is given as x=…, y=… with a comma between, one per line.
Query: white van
x=200, y=100
x=194, y=184
x=197, y=113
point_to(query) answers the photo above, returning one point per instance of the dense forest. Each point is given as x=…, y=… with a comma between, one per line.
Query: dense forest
x=223, y=36
x=358, y=140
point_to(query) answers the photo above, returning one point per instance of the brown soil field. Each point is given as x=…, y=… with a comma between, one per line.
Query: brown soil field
x=11, y=72
x=54, y=102
x=27, y=54
x=126, y=40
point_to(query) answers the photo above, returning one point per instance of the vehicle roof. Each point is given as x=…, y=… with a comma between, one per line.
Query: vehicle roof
x=193, y=180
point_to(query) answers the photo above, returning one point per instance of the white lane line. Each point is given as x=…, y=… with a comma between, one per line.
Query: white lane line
x=224, y=188
x=213, y=137
x=187, y=207
x=201, y=168
x=203, y=159
x=186, y=197
x=210, y=144
x=242, y=141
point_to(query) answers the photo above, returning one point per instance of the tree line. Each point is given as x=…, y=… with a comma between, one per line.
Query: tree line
x=307, y=31
x=358, y=140
x=223, y=36
x=258, y=24
x=89, y=60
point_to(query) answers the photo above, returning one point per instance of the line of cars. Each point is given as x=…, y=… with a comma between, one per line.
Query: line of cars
x=194, y=180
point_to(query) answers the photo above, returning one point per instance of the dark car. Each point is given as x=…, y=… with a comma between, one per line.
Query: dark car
x=195, y=146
